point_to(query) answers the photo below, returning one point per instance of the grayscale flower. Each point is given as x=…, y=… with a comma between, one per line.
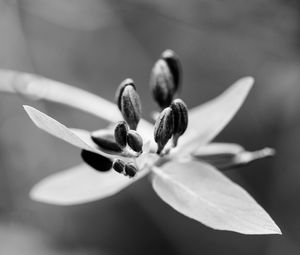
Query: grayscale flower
x=184, y=176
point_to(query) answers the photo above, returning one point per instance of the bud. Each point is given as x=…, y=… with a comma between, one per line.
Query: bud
x=180, y=112
x=119, y=165
x=130, y=169
x=96, y=161
x=174, y=65
x=120, y=89
x=162, y=84
x=121, y=130
x=135, y=141
x=105, y=140
x=163, y=129
x=129, y=103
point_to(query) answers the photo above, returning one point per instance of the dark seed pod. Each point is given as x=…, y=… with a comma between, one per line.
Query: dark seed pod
x=175, y=67
x=96, y=161
x=121, y=130
x=164, y=128
x=130, y=169
x=180, y=112
x=129, y=103
x=120, y=89
x=105, y=140
x=135, y=141
x=162, y=84
x=119, y=165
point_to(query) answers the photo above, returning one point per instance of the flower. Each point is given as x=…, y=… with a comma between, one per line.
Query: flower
x=183, y=171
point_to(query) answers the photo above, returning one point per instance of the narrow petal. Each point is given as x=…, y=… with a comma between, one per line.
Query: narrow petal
x=207, y=120
x=223, y=149
x=40, y=88
x=80, y=184
x=200, y=192
x=76, y=137
x=37, y=88
x=225, y=156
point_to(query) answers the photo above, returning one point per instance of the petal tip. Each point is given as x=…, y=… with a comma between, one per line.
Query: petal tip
x=248, y=80
x=276, y=230
x=37, y=194
x=29, y=110
x=27, y=107
x=34, y=194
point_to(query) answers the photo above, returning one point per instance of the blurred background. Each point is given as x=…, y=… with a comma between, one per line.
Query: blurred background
x=95, y=44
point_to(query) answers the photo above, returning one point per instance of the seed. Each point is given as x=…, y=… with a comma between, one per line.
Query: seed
x=96, y=161
x=121, y=130
x=135, y=141
x=130, y=169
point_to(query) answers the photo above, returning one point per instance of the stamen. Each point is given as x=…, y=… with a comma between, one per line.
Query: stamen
x=180, y=112
x=175, y=67
x=96, y=161
x=119, y=165
x=130, y=169
x=129, y=103
x=164, y=128
x=121, y=130
x=105, y=140
x=120, y=89
x=135, y=141
x=162, y=84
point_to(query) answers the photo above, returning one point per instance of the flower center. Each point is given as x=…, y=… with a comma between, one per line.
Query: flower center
x=171, y=123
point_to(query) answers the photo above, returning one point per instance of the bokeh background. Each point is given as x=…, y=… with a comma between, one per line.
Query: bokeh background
x=95, y=44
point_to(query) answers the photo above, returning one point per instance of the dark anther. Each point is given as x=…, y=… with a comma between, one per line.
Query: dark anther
x=174, y=65
x=129, y=103
x=130, y=169
x=106, y=141
x=180, y=112
x=162, y=84
x=96, y=161
x=135, y=141
x=121, y=130
x=120, y=89
x=119, y=165
x=163, y=129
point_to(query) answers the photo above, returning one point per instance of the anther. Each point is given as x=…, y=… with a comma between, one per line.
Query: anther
x=119, y=165
x=119, y=92
x=105, y=140
x=121, y=130
x=162, y=83
x=130, y=169
x=135, y=141
x=164, y=128
x=180, y=112
x=96, y=161
x=129, y=103
x=175, y=67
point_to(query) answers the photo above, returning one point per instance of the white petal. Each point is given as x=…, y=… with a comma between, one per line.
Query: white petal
x=38, y=88
x=80, y=184
x=218, y=149
x=76, y=137
x=200, y=192
x=207, y=120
